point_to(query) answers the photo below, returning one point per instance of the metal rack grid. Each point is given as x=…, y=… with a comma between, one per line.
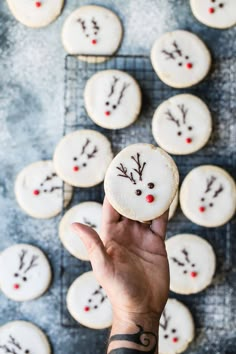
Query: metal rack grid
x=214, y=308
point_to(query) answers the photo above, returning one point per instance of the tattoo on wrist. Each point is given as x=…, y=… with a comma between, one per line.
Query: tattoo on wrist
x=138, y=343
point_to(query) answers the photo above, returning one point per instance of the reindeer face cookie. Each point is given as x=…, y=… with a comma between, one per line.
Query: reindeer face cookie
x=182, y=124
x=141, y=182
x=208, y=196
x=39, y=190
x=20, y=337
x=88, y=304
x=25, y=273
x=88, y=213
x=108, y=96
x=180, y=59
x=192, y=263
x=176, y=328
x=92, y=30
x=81, y=158
x=33, y=13
x=215, y=13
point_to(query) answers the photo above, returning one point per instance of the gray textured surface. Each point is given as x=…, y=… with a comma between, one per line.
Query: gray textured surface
x=31, y=123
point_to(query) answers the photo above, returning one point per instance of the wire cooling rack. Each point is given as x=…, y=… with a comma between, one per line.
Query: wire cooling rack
x=213, y=309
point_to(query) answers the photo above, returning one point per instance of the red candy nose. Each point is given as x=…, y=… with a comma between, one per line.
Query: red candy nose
x=189, y=65
x=76, y=168
x=94, y=41
x=36, y=192
x=193, y=274
x=188, y=140
x=175, y=340
x=202, y=209
x=107, y=113
x=211, y=10
x=16, y=286
x=38, y=4
x=149, y=198
x=87, y=308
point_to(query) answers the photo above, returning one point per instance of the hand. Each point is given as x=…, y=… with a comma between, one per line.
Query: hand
x=129, y=261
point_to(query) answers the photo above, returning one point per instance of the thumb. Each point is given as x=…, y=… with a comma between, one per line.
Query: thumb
x=96, y=250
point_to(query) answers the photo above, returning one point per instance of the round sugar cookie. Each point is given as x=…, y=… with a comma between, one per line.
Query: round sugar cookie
x=35, y=14
x=81, y=158
x=91, y=32
x=141, y=182
x=88, y=304
x=39, y=191
x=208, y=196
x=215, y=13
x=88, y=213
x=173, y=206
x=112, y=99
x=176, y=328
x=192, y=263
x=182, y=124
x=23, y=337
x=180, y=59
x=25, y=273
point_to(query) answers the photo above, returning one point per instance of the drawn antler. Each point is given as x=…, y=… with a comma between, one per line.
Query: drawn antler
x=140, y=166
x=32, y=263
x=174, y=259
x=183, y=111
x=7, y=349
x=186, y=255
x=172, y=118
x=89, y=223
x=177, y=49
x=122, y=93
x=85, y=146
x=124, y=174
x=22, y=256
x=115, y=79
x=82, y=22
x=100, y=292
x=166, y=321
x=93, y=153
x=169, y=55
x=210, y=183
x=218, y=191
x=14, y=342
x=95, y=24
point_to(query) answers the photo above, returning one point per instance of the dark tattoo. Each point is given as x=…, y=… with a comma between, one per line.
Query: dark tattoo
x=144, y=342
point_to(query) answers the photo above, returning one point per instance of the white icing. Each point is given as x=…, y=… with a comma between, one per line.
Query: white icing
x=159, y=169
x=96, y=155
x=28, y=13
x=48, y=202
x=108, y=35
x=20, y=337
x=193, y=52
x=173, y=205
x=88, y=213
x=179, y=319
x=213, y=14
x=122, y=93
x=193, y=272
x=183, y=114
x=78, y=296
x=25, y=273
x=193, y=190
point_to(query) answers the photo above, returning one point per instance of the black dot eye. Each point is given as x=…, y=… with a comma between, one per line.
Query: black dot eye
x=221, y=5
x=87, y=35
x=24, y=279
x=54, y=175
x=114, y=107
x=187, y=57
x=138, y=192
x=193, y=265
x=185, y=272
x=95, y=306
x=173, y=330
x=151, y=185
x=213, y=0
x=107, y=103
x=16, y=275
x=211, y=204
x=84, y=164
x=166, y=336
x=190, y=128
x=75, y=159
x=202, y=199
x=95, y=33
x=45, y=190
x=179, y=133
x=90, y=300
x=27, y=351
x=180, y=64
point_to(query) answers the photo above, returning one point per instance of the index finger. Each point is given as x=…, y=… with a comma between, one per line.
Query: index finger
x=109, y=214
x=159, y=225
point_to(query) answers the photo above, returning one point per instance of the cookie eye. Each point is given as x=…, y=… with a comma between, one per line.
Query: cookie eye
x=173, y=330
x=95, y=306
x=151, y=185
x=138, y=192
x=24, y=279
x=45, y=190
x=185, y=272
x=16, y=275
x=95, y=33
x=221, y=5
x=87, y=35
x=211, y=205
x=179, y=133
x=27, y=351
x=213, y=0
x=84, y=164
x=193, y=265
x=75, y=158
x=187, y=57
x=114, y=107
x=90, y=300
x=107, y=103
x=202, y=199
x=190, y=128
x=166, y=336
x=180, y=64
x=54, y=175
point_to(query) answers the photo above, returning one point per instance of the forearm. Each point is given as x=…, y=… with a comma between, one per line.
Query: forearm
x=134, y=335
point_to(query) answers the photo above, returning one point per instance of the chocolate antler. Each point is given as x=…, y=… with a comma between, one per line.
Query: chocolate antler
x=22, y=256
x=140, y=166
x=210, y=183
x=95, y=24
x=177, y=49
x=183, y=111
x=14, y=342
x=169, y=55
x=186, y=255
x=218, y=191
x=166, y=321
x=172, y=118
x=85, y=146
x=115, y=79
x=7, y=349
x=100, y=292
x=32, y=263
x=93, y=153
x=174, y=259
x=124, y=174
x=89, y=223
x=122, y=93
x=82, y=22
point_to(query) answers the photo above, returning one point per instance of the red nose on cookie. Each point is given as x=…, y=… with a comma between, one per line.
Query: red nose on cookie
x=193, y=274
x=38, y=4
x=175, y=340
x=87, y=308
x=36, y=192
x=202, y=209
x=189, y=65
x=93, y=41
x=16, y=286
x=76, y=168
x=188, y=140
x=149, y=198
x=107, y=113
x=211, y=10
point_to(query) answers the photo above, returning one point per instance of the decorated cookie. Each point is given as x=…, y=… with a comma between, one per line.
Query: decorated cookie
x=141, y=182
x=176, y=62
x=88, y=304
x=173, y=206
x=20, y=337
x=208, y=196
x=92, y=31
x=34, y=13
x=25, y=273
x=192, y=263
x=81, y=158
x=112, y=99
x=39, y=191
x=215, y=13
x=182, y=124
x=176, y=328
x=88, y=213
